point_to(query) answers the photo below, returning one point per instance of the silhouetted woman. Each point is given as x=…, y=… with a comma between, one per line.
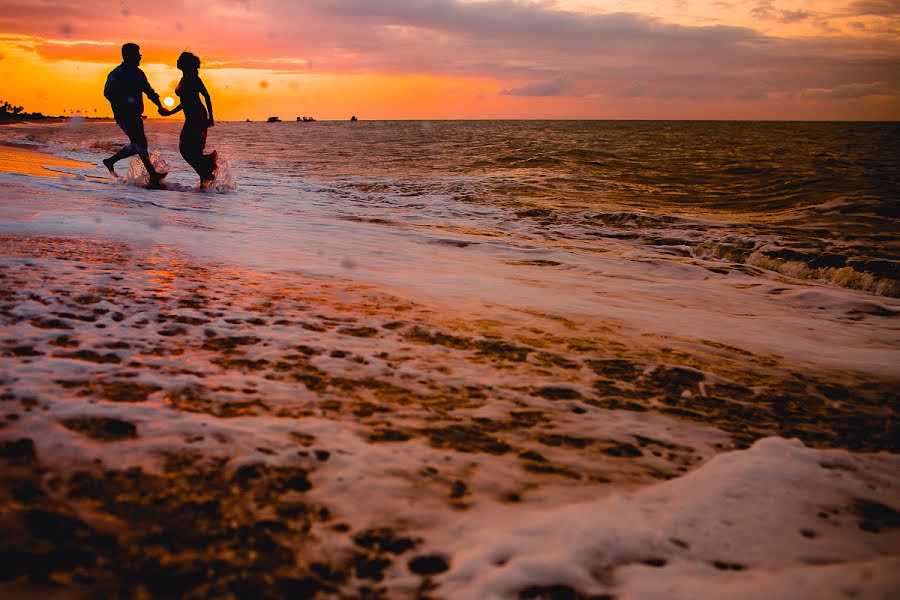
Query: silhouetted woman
x=197, y=119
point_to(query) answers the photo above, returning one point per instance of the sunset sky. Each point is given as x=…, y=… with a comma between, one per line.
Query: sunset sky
x=431, y=59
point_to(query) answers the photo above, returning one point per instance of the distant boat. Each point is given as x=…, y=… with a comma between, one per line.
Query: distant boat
x=248, y=120
x=274, y=120
x=353, y=118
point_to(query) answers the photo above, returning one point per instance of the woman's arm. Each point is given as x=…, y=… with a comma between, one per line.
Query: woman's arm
x=208, y=103
x=166, y=112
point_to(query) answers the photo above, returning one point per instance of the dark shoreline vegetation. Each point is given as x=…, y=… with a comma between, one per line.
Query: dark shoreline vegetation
x=10, y=112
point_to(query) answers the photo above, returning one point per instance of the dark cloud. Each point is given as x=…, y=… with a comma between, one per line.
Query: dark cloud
x=635, y=89
x=763, y=10
x=883, y=8
x=751, y=94
x=850, y=90
x=795, y=16
x=553, y=87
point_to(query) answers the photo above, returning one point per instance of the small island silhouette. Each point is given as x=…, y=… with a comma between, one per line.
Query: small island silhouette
x=10, y=112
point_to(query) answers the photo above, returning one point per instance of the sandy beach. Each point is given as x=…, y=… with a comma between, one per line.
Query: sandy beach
x=178, y=424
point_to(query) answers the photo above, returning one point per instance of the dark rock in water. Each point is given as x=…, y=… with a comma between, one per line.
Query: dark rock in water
x=353, y=118
x=126, y=391
x=557, y=393
x=102, y=428
x=273, y=120
x=615, y=368
x=20, y=451
x=557, y=591
x=370, y=568
x=388, y=435
x=428, y=564
x=623, y=450
x=225, y=344
x=383, y=540
x=876, y=517
x=465, y=439
x=676, y=379
x=358, y=331
x=655, y=562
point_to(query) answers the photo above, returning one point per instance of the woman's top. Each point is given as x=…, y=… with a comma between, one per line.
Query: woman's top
x=188, y=90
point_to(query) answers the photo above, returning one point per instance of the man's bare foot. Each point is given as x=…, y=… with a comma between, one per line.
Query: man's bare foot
x=155, y=184
x=108, y=163
x=205, y=184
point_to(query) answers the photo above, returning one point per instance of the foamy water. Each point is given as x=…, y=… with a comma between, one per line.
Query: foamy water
x=553, y=321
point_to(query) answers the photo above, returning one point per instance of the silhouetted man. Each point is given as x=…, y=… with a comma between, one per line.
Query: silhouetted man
x=125, y=88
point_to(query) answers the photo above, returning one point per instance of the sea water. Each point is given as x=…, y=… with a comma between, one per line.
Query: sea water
x=812, y=200
x=653, y=273
x=570, y=216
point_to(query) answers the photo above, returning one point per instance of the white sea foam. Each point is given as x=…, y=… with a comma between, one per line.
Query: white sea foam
x=747, y=524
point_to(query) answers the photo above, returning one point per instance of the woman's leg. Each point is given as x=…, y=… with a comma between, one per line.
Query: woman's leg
x=191, y=144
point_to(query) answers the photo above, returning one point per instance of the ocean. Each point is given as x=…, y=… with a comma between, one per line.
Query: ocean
x=810, y=200
x=454, y=359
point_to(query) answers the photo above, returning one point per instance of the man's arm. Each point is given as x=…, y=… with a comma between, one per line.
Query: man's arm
x=113, y=88
x=154, y=97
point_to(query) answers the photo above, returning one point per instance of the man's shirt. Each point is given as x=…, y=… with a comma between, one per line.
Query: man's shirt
x=125, y=88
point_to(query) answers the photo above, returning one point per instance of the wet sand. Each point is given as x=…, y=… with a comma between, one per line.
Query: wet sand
x=16, y=159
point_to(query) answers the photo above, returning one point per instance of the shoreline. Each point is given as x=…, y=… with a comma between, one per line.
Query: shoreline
x=28, y=161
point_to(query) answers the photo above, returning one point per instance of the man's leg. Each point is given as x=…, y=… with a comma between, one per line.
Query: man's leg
x=154, y=175
x=135, y=130
x=110, y=162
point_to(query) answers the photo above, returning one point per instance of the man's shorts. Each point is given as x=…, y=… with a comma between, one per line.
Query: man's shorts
x=133, y=126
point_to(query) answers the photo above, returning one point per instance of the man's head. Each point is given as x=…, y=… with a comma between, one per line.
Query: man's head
x=131, y=54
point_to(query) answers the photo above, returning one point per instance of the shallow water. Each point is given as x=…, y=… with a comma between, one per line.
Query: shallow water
x=814, y=200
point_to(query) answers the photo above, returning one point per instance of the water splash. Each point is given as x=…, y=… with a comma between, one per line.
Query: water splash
x=137, y=174
x=224, y=178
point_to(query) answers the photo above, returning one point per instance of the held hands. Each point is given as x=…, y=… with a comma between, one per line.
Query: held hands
x=164, y=112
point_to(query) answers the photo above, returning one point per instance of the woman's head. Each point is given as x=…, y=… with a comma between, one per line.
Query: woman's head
x=188, y=61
